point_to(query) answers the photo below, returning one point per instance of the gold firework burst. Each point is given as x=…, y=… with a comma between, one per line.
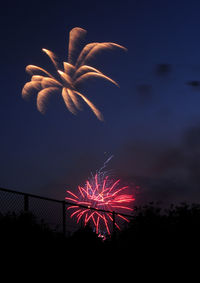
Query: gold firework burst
x=73, y=72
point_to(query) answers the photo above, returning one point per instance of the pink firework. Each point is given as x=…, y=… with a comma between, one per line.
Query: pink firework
x=100, y=193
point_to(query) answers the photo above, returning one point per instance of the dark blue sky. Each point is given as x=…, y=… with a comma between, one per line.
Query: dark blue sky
x=151, y=122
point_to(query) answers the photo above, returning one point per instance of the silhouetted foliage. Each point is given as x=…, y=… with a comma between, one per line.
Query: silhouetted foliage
x=85, y=240
x=22, y=226
x=152, y=231
x=157, y=231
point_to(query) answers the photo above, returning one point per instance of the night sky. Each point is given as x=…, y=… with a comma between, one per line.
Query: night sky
x=152, y=122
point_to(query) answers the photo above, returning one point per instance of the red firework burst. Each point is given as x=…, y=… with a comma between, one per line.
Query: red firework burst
x=100, y=193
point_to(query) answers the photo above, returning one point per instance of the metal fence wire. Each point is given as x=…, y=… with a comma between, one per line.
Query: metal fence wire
x=50, y=211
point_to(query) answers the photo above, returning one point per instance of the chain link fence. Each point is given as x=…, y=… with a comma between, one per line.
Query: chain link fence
x=55, y=213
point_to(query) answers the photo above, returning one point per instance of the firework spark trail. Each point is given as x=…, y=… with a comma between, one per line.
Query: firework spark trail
x=74, y=71
x=75, y=36
x=93, y=74
x=103, y=174
x=31, y=69
x=99, y=47
x=52, y=56
x=100, y=193
x=42, y=97
x=85, y=68
x=105, y=163
x=91, y=105
x=67, y=100
x=84, y=53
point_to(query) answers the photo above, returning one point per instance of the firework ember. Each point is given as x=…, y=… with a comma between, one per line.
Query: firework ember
x=100, y=193
x=68, y=75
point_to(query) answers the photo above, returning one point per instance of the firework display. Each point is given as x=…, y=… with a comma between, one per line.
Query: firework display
x=68, y=75
x=100, y=193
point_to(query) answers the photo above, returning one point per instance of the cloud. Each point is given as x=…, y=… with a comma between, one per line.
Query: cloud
x=194, y=84
x=163, y=69
x=183, y=160
x=166, y=173
x=153, y=170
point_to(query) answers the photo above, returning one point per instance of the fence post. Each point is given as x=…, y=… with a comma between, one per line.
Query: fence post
x=64, y=218
x=26, y=203
x=114, y=227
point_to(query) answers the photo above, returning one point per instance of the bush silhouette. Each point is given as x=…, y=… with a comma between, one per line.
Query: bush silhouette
x=152, y=231
x=157, y=231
